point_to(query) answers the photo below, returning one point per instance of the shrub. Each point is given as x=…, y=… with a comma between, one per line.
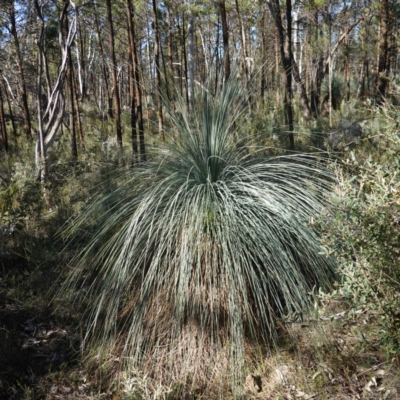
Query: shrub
x=200, y=251
x=365, y=229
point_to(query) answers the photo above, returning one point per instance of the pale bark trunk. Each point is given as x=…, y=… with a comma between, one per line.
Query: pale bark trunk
x=55, y=107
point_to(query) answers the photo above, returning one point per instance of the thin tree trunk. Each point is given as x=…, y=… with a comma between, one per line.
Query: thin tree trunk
x=277, y=71
x=138, y=112
x=225, y=39
x=347, y=66
x=383, y=48
x=158, y=71
x=132, y=82
x=22, y=86
x=302, y=90
x=3, y=128
x=285, y=43
x=103, y=59
x=243, y=42
x=11, y=113
x=72, y=130
x=361, y=80
x=190, y=61
x=77, y=113
x=81, y=63
x=117, y=107
x=185, y=61
x=170, y=52
x=263, y=60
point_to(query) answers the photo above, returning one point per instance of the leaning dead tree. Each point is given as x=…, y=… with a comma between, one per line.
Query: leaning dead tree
x=50, y=118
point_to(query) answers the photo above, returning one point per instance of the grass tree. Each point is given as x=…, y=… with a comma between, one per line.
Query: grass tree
x=197, y=253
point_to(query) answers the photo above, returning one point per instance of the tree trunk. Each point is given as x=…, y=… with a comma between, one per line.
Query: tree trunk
x=103, y=60
x=285, y=44
x=302, y=90
x=77, y=113
x=263, y=58
x=347, y=66
x=190, y=61
x=158, y=71
x=72, y=130
x=81, y=63
x=3, y=128
x=22, y=86
x=225, y=39
x=383, y=48
x=10, y=112
x=138, y=111
x=361, y=80
x=243, y=42
x=49, y=121
x=132, y=82
x=117, y=107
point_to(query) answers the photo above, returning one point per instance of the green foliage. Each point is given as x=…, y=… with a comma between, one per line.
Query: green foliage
x=20, y=199
x=336, y=89
x=204, y=247
x=365, y=230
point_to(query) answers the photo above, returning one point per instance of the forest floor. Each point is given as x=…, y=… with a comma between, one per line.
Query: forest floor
x=331, y=357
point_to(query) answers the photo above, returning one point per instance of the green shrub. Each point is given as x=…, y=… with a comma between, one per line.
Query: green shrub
x=366, y=227
x=201, y=250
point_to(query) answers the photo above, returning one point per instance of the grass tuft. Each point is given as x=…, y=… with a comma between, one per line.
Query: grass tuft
x=197, y=253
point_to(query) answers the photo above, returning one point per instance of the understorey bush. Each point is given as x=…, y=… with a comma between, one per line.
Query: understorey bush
x=196, y=254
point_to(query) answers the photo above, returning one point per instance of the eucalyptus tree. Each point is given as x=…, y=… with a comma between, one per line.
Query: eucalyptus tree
x=49, y=118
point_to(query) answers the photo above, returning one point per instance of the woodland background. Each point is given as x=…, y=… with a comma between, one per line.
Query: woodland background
x=84, y=87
